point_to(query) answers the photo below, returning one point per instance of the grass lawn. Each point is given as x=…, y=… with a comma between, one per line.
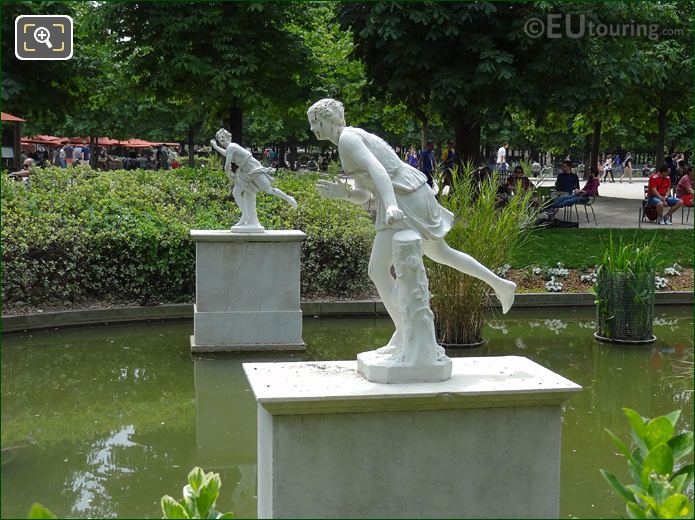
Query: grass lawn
x=577, y=248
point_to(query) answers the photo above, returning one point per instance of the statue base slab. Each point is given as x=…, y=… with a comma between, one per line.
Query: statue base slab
x=247, y=228
x=359, y=449
x=247, y=291
x=383, y=368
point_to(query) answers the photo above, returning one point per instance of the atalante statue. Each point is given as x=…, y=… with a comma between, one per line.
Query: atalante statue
x=250, y=178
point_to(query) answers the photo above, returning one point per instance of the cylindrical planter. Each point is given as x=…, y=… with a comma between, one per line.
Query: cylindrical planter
x=625, y=307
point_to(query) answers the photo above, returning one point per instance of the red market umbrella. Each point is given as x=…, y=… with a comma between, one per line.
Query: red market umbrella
x=106, y=141
x=11, y=118
x=136, y=143
x=49, y=140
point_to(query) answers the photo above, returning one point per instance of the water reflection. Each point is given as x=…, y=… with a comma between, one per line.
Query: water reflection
x=126, y=412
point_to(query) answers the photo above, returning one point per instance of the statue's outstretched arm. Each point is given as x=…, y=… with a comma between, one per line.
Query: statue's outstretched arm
x=217, y=147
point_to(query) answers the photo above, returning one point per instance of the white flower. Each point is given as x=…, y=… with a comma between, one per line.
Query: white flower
x=554, y=285
x=558, y=271
x=537, y=270
x=502, y=271
x=660, y=283
x=590, y=277
x=674, y=270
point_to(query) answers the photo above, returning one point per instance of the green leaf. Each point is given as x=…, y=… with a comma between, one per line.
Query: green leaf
x=675, y=506
x=681, y=445
x=226, y=515
x=659, y=460
x=172, y=509
x=679, y=482
x=673, y=417
x=195, y=478
x=208, y=493
x=617, y=485
x=634, y=511
x=650, y=501
x=619, y=443
x=39, y=511
x=658, y=431
x=639, y=428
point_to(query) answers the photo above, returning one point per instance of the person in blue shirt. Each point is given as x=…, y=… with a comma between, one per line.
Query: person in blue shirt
x=427, y=162
x=566, y=181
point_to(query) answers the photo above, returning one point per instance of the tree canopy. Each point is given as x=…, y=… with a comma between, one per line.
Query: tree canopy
x=410, y=72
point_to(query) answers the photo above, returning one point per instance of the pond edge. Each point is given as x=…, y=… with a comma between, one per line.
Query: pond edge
x=60, y=319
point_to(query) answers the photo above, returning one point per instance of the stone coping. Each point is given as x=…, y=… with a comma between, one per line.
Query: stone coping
x=226, y=235
x=338, y=387
x=49, y=320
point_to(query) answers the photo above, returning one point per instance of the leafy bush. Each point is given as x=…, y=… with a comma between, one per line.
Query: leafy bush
x=199, y=497
x=659, y=480
x=70, y=234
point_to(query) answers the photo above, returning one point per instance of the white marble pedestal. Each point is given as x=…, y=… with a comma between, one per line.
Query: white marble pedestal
x=247, y=291
x=483, y=444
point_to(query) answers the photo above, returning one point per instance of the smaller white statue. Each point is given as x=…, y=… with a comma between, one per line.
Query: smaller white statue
x=250, y=178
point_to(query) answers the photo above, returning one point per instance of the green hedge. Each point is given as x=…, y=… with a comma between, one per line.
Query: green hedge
x=71, y=234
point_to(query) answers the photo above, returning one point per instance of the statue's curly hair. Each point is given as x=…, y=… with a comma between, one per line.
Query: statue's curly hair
x=327, y=110
x=222, y=133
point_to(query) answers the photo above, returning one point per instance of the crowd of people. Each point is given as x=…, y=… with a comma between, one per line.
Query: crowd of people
x=160, y=157
x=669, y=187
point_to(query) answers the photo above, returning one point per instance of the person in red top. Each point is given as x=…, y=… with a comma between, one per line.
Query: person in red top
x=658, y=190
x=684, y=191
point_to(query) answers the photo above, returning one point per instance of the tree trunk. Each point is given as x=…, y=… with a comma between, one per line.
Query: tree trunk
x=191, y=140
x=281, y=155
x=93, y=152
x=467, y=142
x=587, y=155
x=293, y=154
x=595, y=144
x=235, y=122
x=661, y=137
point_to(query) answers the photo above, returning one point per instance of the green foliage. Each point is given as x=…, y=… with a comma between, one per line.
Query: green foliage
x=39, y=511
x=199, y=497
x=488, y=233
x=629, y=257
x=198, y=501
x=70, y=234
x=659, y=479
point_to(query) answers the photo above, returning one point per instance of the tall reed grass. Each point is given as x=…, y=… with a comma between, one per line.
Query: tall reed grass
x=625, y=291
x=487, y=231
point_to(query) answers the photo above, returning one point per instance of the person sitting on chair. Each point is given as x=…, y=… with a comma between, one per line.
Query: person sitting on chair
x=684, y=191
x=567, y=182
x=579, y=196
x=658, y=192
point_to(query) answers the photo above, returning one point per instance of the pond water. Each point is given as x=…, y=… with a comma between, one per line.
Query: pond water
x=103, y=421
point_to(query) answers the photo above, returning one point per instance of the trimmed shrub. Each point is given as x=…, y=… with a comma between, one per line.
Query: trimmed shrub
x=70, y=234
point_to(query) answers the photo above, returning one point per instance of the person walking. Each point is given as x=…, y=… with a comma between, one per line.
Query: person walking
x=608, y=168
x=627, y=169
x=427, y=163
x=501, y=162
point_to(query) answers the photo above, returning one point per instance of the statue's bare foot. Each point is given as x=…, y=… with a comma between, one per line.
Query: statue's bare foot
x=389, y=350
x=505, y=294
x=393, y=346
x=292, y=201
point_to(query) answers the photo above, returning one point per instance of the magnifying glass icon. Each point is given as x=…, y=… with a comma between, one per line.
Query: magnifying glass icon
x=42, y=35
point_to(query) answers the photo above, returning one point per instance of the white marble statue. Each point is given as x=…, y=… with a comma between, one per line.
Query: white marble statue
x=404, y=201
x=250, y=178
